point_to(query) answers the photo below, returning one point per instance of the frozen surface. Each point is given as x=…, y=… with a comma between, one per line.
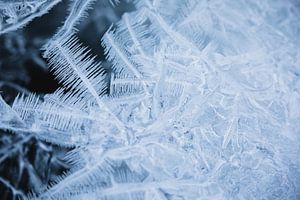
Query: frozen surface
x=17, y=13
x=203, y=102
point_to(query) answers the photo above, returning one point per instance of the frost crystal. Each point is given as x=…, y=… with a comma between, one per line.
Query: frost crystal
x=202, y=103
x=17, y=13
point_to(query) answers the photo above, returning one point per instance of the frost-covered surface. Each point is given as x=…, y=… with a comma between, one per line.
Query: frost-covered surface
x=203, y=102
x=17, y=13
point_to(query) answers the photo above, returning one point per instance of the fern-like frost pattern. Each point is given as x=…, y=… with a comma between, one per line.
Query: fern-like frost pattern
x=202, y=103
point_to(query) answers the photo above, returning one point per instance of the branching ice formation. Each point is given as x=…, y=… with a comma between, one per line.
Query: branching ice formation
x=203, y=103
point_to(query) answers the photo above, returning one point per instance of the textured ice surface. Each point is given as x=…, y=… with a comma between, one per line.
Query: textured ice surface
x=17, y=13
x=203, y=103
